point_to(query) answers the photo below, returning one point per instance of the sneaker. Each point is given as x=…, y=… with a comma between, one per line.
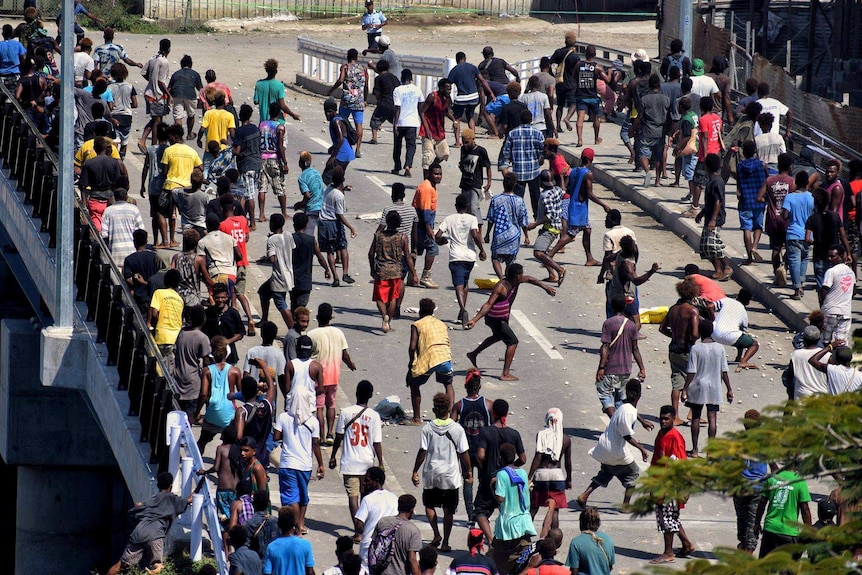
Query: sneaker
x=358, y=154
x=336, y=283
x=427, y=283
x=686, y=198
x=646, y=179
x=347, y=279
x=780, y=277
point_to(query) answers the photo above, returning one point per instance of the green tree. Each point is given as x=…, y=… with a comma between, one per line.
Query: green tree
x=818, y=437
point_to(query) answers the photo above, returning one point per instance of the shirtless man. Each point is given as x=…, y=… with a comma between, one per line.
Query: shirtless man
x=680, y=325
x=228, y=473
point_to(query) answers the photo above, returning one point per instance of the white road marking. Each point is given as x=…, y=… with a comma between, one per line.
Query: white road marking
x=133, y=161
x=323, y=143
x=380, y=183
x=536, y=334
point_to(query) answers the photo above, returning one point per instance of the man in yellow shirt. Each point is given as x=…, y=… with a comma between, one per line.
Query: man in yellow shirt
x=430, y=353
x=179, y=161
x=166, y=316
x=217, y=123
x=86, y=151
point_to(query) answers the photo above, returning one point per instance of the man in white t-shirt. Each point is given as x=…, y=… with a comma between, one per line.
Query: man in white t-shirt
x=360, y=431
x=377, y=503
x=444, y=450
x=836, y=295
x=807, y=380
x=298, y=442
x=461, y=232
x=772, y=106
x=701, y=84
x=731, y=326
x=611, y=449
x=841, y=377
x=279, y=252
x=611, y=243
x=407, y=98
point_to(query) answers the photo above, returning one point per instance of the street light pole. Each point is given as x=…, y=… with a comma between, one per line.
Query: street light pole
x=63, y=316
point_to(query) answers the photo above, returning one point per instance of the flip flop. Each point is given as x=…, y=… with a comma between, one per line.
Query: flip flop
x=683, y=553
x=411, y=423
x=445, y=548
x=562, y=277
x=659, y=560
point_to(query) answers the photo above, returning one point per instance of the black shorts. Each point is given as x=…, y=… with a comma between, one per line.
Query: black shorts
x=445, y=498
x=501, y=330
x=465, y=111
x=384, y=112
x=485, y=503
x=167, y=211
x=298, y=298
x=331, y=236
x=562, y=94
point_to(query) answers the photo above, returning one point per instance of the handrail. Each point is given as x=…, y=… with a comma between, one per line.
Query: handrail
x=104, y=255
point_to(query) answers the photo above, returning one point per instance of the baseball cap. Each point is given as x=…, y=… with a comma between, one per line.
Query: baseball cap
x=330, y=104
x=719, y=62
x=589, y=154
x=546, y=178
x=676, y=46
x=697, y=67
x=811, y=333
x=384, y=40
x=640, y=54
x=303, y=347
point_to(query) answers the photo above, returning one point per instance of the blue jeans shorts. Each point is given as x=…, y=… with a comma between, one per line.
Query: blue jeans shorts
x=612, y=390
x=461, y=272
x=358, y=115
x=651, y=149
x=279, y=299
x=442, y=371
x=590, y=105
x=751, y=219
x=293, y=486
x=688, y=164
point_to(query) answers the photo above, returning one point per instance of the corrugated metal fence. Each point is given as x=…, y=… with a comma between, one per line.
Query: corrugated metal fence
x=213, y=9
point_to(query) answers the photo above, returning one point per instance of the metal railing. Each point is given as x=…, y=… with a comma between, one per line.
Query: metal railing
x=110, y=305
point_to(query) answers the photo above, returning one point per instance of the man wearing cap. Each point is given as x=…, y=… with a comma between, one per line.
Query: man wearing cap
x=701, y=84
x=372, y=23
x=722, y=99
x=566, y=60
x=549, y=216
x=676, y=59
x=384, y=48
x=805, y=379
x=578, y=215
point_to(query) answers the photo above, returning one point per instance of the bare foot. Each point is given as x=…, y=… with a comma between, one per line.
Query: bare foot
x=568, y=125
x=162, y=246
x=174, y=244
x=582, y=501
x=508, y=377
x=662, y=559
x=599, y=141
x=472, y=357
x=677, y=422
x=436, y=541
x=261, y=218
x=407, y=173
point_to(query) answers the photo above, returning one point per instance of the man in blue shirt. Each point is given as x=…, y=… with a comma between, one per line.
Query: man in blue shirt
x=797, y=207
x=522, y=152
x=289, y=554
x=372, y=23
x=11, y=54
x=79, y=9
x=471, y=87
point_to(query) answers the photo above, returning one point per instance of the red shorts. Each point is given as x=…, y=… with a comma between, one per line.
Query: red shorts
x=540, y=496
x=387, y=290
x=327, y=398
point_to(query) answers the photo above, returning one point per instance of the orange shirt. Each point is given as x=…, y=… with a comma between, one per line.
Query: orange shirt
x=709, y=288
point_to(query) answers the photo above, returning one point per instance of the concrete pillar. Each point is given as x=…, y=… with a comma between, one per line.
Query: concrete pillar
x=64, y=520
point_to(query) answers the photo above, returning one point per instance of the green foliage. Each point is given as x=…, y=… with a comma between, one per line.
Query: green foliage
x=178, y=564
x=817, y=437
x=116, y=13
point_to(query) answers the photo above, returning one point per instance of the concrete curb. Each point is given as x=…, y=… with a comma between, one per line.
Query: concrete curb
x=792, y=312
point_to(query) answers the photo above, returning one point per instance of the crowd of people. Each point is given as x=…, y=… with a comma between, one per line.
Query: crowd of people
x=284, y=396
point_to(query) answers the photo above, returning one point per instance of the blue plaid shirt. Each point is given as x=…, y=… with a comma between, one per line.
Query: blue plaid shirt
x=522, y=151
x=751, y=177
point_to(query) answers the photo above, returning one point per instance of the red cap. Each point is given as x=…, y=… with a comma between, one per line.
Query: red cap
x=589, y=154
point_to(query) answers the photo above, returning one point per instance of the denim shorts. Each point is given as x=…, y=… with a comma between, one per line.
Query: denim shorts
x=589, y=105
x=442, y=371
x=358, y=115
x=427, y=246
x=651, y=149
x=688, y=164
x=611, y=389
x=293, y=486
x=279, y=299
x=461, y=272
x=751, y=219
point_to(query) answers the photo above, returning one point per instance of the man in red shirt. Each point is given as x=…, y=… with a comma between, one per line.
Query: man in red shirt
x=669, y=444
x=433, y=113
x=708, y=142
x=237, y=228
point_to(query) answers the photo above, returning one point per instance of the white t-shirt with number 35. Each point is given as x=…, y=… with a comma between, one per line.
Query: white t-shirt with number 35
x=357, y=449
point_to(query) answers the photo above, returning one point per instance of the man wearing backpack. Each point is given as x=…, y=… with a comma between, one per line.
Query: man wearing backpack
x=396, y=542
x=341, y=152
x=514, y=526
x=376, y=504
x=676, y=59
x=254, y=417
x=261, y=529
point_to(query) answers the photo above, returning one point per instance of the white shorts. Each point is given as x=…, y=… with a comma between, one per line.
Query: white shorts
x=183, y=108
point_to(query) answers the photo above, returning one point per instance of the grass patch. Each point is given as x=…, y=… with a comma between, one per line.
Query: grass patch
x=178, y=564
x=121, y=14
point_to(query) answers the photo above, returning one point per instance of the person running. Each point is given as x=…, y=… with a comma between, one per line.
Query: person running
x=507, y=218
x=549, y=480
x=444, y=451
x=610, y=450
x=462, y=232
x=473, y=412
x=496, y=312
x=549, y=216
x=389, y=250
x=578, y=216
x=707, y=370
x=669, y=445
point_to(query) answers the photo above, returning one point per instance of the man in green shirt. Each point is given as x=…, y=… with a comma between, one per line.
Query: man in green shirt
x=269, y=90
x=514, y=525
x=785, y=497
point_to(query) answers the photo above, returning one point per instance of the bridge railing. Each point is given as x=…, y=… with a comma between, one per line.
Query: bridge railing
x=99, y=283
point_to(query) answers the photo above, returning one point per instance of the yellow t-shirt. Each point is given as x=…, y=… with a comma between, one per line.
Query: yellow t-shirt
x=85, y=152
x=180, y=160
x=170, y=307
x=217, y=122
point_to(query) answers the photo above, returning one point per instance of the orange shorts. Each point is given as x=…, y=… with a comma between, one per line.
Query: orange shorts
x=387, y=290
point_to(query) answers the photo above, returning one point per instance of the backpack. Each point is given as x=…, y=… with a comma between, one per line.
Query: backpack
x=674, y=63
x=263, y=534
x=382, y=548
x=349, y=131
x=561, y=68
